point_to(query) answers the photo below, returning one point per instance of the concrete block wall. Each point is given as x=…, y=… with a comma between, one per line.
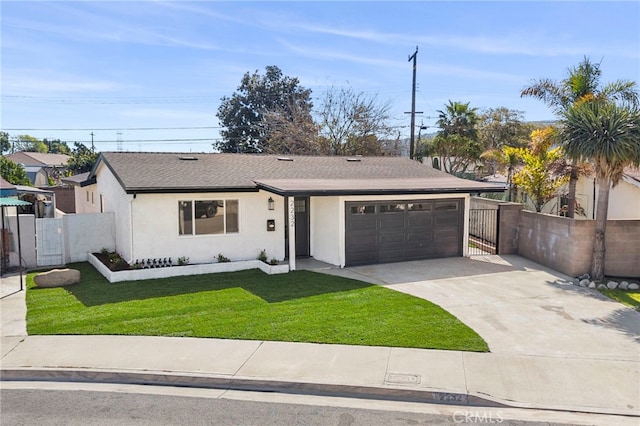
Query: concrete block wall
x=566, y=245
x=560, y=243
x=509, y=227
x=622, y=240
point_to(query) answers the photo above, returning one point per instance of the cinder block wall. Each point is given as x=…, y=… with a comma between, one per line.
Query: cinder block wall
x=560, y=243
x=566, y=245
x=622, y=258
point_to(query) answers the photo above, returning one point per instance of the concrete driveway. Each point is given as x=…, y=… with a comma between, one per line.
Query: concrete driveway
x=517, y=306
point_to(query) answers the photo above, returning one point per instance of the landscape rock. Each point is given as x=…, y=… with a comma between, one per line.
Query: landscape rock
x=602, y=287
x=57, y=278
x=576, y=281
x=623, y=285
x=584, y=277
x=592, y=285
x=612, y=285
x=633, y=286
x=584, y=283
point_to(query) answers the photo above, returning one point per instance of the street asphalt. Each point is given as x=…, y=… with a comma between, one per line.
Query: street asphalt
x=554, y=346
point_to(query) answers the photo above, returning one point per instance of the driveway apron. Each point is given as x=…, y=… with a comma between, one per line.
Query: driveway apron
x=519, y=307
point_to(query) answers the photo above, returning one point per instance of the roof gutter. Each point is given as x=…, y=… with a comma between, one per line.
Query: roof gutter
x=372, y=192
x=188, y=190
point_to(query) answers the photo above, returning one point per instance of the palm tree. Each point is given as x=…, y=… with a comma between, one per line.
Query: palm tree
x=504, y=159
x=456, y=145
x=581, y=83
x=607, y=134
x=458, y=119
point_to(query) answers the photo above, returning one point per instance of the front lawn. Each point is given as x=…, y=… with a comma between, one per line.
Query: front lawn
x=300, y=306
x=626, y=297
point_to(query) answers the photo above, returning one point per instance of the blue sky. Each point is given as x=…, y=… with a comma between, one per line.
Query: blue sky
x=113, y=67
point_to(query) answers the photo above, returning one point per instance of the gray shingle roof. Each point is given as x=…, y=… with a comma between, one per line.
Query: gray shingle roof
x=176, y=172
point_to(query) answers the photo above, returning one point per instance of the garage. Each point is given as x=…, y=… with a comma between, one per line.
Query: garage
x=404, y=230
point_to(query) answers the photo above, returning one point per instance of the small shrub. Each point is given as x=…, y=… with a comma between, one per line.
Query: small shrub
x=183, y=261
x=263, y=256
x=273, y=261
x=223, y=259
x=104, y=250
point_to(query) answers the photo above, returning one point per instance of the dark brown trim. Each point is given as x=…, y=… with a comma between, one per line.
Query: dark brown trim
x=340, y=192
x=188, y=190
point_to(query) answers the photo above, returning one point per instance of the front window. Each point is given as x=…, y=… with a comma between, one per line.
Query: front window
x=207, y=217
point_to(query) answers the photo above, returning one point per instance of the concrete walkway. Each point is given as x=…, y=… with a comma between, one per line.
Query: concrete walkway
x=542, y=374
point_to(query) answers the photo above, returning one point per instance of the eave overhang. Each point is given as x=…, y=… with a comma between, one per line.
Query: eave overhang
x=373, y=187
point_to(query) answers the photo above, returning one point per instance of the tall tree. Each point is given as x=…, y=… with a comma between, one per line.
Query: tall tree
x=12, y=172
x=5, y=145
x=498, y=127
x=244, y=114
x=291, y=131
x=582, y=82
x=56, y=146
x=353, y=123
x=536, y=177
x=82, y=159
x=606, y=133
x=29, y=143
x=456, y=145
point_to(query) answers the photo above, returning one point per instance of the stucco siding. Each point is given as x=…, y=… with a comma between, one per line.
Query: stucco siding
x=624, y=201
x=325, y=229
x=116, y=201
x=155, y=224
x=87, y=199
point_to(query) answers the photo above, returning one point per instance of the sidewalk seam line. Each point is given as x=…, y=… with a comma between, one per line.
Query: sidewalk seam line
x=235, y=373
x=464, y=372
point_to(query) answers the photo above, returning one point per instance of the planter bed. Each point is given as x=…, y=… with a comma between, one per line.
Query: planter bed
x=176, y=271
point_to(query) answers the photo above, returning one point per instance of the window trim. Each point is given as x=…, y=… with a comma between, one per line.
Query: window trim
x=193, y=233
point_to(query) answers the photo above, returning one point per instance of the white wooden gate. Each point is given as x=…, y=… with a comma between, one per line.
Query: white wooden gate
x=49, y=242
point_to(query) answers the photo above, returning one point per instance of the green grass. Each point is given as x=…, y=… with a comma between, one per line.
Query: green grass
x=300, y=306
x=626, y=297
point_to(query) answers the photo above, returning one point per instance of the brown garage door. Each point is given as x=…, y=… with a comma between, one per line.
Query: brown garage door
x=397, y=231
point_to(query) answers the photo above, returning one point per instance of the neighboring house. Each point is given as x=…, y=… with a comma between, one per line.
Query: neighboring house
x=343, y=211
x=624, y=198
x=40, y=167
x=85, y=193
x=7, y=189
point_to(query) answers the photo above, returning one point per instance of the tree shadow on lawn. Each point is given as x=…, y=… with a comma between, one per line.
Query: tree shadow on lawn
x=94, y=289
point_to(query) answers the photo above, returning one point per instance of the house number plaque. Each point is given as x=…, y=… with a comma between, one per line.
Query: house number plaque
x=292, y=212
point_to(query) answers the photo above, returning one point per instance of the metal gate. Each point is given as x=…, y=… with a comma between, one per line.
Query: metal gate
x=49, y=242
x=483, y=232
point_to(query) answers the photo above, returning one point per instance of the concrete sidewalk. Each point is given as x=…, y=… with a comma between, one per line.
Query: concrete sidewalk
x=476, y=379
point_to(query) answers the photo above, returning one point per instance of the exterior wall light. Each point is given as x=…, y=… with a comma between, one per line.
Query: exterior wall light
x=271, y=203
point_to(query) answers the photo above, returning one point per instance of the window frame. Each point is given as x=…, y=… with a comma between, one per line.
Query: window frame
x=192, y=202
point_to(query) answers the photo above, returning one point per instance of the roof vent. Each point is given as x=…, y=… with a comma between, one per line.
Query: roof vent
x=188, y=158
x=354, y=159
x=285, y=159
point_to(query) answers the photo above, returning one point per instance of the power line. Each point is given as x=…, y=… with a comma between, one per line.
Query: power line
x=115, y=128
x=113, y=100
x=149, y=140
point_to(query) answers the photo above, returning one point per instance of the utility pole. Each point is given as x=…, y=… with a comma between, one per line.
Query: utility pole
x=92, y=148
x=413, y=105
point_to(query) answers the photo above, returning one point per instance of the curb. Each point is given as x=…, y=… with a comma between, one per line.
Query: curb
x=162, y=378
